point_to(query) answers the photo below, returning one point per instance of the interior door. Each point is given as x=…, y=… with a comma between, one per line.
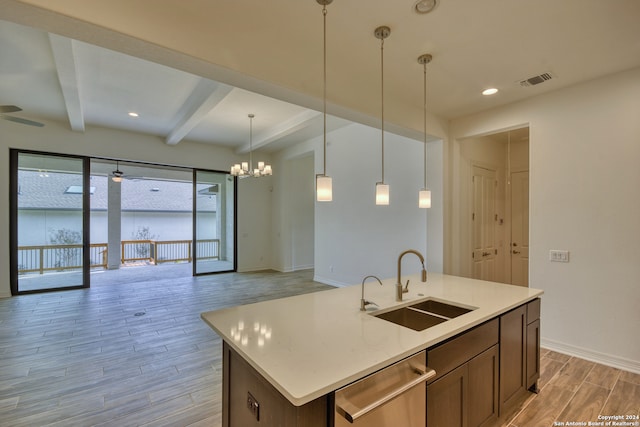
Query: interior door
x=214, y=222
x=49, y=222
x=520, y=228
x=483, y=220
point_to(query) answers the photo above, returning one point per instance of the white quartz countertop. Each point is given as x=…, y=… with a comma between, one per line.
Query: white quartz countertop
x=309, y=345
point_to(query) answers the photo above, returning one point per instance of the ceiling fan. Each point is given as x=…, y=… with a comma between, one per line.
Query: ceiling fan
x=4, y=109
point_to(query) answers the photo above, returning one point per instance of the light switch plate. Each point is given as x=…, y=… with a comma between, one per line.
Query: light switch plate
x=556, y=255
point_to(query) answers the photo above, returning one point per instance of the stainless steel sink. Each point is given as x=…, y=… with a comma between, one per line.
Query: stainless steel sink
x=424, y=314
x=441, y=308
x=411, y=318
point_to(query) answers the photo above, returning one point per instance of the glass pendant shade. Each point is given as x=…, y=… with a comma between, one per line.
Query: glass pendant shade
x=324, y=192
x=382, y=194
x=424, y=199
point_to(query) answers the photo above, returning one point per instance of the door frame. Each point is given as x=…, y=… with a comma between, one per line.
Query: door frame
x=509, y=205
x=194, y=229
x=13, y=221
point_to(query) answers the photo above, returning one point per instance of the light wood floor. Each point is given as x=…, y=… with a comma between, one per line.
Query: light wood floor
x=576, y=390
x=139, y=354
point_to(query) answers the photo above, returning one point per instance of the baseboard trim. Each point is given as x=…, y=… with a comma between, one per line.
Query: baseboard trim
x=593, y=356
x=5, y=295
x=329, y=282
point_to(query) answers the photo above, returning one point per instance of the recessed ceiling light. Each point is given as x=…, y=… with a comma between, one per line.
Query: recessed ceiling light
x=490, y=91
x=424, y=6
x=132, y=114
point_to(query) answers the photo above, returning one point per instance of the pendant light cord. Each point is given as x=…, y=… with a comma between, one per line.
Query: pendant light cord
x=382, y=99
x=424, y=124
x=324, y=90
x=251, y=142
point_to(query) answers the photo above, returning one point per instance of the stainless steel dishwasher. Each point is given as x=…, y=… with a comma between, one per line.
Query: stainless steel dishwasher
x=394, y=396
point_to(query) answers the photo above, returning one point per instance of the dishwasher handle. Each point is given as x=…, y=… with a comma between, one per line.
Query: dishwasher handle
x=425, y=375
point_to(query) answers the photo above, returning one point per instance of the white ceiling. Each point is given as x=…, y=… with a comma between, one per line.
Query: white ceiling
x=225, y=59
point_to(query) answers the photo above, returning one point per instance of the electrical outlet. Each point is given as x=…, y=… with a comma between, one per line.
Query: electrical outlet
x=558, y=255
x=253, y=406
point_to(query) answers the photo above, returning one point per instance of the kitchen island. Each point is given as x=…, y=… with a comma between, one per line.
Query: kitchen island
x=305, y=347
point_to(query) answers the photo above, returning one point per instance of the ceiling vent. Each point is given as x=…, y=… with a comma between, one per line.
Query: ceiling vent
x=536, y=80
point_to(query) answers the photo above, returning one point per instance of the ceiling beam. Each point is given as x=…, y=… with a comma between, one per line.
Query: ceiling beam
x=65, y=61
x=204, y=98
x=300, y=121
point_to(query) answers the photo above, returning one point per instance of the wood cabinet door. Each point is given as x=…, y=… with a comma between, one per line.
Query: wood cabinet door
x=243, y=385
x=533, y=353
x=447, y=399
x=483, y=388
x=513, y=330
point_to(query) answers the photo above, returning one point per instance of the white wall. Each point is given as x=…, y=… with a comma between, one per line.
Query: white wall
x=301, y=207
x=55, y=137
x=293, y=203
x=584, y=177
x=353, y=236
x=254, y=223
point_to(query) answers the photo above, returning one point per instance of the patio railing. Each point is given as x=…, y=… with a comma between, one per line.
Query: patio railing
x=69, y=257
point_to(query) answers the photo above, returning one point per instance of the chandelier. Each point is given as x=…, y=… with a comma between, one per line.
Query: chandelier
x=245, y=169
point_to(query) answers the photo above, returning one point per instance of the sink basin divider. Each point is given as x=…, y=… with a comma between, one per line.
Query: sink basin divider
x=430, y=313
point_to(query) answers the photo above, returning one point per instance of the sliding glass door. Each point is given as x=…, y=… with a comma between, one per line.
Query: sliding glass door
x=214, y=222
x=49, y=225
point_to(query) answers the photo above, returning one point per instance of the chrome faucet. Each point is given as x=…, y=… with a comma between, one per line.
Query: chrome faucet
x=399, y=289
x=363, y=302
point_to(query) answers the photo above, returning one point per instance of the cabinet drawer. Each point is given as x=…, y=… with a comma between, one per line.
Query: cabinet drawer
x=453, y=353
x=533, y=311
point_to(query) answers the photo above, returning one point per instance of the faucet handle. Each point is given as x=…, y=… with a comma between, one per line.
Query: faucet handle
x=406, y=287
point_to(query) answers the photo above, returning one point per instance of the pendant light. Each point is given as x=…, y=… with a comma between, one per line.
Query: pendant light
x=246, y=169
x=424, y=195
x=324, y=188
x=382, y=189
x=116, y=175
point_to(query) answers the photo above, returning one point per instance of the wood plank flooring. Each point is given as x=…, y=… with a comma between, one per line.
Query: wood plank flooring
x=137, y=353
x=574, y=390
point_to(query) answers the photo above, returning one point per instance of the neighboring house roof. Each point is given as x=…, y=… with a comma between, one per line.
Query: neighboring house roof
x=63, y=191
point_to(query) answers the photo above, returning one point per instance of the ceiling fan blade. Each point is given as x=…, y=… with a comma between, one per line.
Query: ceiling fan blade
x=9, y=109
x=22, y=121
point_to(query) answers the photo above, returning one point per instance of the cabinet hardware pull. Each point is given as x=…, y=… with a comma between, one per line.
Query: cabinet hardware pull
x=425, y=374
